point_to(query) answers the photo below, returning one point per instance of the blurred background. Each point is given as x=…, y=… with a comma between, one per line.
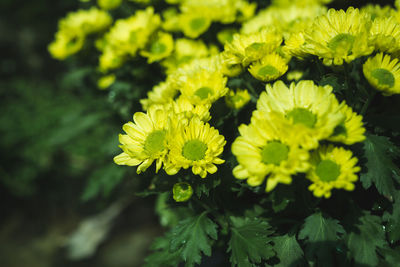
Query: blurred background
x=63, y=201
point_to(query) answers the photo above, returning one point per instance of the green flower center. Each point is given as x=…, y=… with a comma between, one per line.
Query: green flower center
x=197, y=24
x=303, y=116
x=194, y=150
x=158, y=48
x=384, y=77
x=133, y=37
x=274, y=152
x=327, y=170
x=340, y=130
x=268, y=70
x=203, y=92
x=155, y=141
x=342, y=41
x=255, y=46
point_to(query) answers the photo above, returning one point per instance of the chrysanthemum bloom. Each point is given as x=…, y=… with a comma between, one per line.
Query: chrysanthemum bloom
x=109, y=4
x=351, y=130
x=161, y=47
x=193, y=24
x=312, y=110
x=383, y=73
x=145, y=141
x=339, y=36
x=385, y=35
x=245, y=49
x=204, y=86
x=106, y=81
x=161, y=94
x=184, y=110
x=238, y=99
x=269, y=68
x=195, y=145
x=266, y=148
x=332, y=167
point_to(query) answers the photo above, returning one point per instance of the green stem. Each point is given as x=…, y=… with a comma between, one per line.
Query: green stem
x=218, y=217
x=367, y=103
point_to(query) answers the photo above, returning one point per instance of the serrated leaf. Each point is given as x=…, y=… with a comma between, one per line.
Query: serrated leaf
x=250, y=241
x=367, y=236
x=380, y=153
x=391, y=257
x=162, y=255
x=193, y=237
x=203, y=186
x=393, y=220
x=288, y=251
x=322, y=236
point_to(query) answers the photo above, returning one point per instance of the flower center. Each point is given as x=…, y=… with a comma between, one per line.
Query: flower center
x=197, y=24
x=342, y=42
x=203, y=92
x=384, y=77
x=340, y=130
x=303, y=116
x=194, y=150
x=158, y=48
x=327, y=170
x=155, y=141
x=268, y=70
x=274, y=152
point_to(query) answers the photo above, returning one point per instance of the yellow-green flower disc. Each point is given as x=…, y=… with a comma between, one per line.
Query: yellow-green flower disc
x=145, y=141
x=238, y=99
x=195, y=145
x=332, y=167
x=193, y=24
x=383, y=73
x=351, y=130
x=109, y=4
x=265, y=149
x=182, y=192
x=313, y=111
x=339, y=36
x=160, y=48
x=269, y=68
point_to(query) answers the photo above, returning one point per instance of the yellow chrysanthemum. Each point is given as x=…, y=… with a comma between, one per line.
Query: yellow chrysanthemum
x=109, y=4
x=332, y=167
x=161, y=47
x=238, y=99
x=312, y=110
x=385, y=35
x=266, y=148
x=269, y=68
x=377, y=11
x=294, y=45
x=193, y=24
x=161, y=94
x=185, y=110
x=245, y=49
x=226, y=35
x=65, y=45
x=145, y=141
x=351, y=130
x=195, y=145
x=383, y=73
x=204, y=86
x=294, y=75
x=339, y=36
x=106, y=81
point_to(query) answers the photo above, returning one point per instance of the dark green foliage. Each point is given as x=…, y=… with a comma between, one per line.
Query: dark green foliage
x=392, y=220
x=288, y=251
x=380, y=153
x=321, y=235
x=250, y=241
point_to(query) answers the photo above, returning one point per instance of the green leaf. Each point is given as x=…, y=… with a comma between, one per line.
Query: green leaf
x=380, y=153
x=250, y=241
x=288, y=251
x=363, y=241
x=162, y=255
x=322, y=235
x=192, y=237
x=391, y=257
x=393, y=221
x=203, y=186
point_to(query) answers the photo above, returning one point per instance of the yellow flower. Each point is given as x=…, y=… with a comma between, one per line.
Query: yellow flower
x=266, y=148
x=351, y=130
x=339, y=36
x=106, y=81
x=182, y=191
x=161, y=94
x=294, y=45
x=294, y=75
x=185, y=110
x=312, y=110
x=204, y=86
x=226, y=35
x=385, y=35
x=245, y=49
x=65, y=45
x=193, y=24
x=238, y=99
x=377, y=11
x=145, y=141
x=269, y=68
x=159, y=48
x=109, y=4
x=332, y=167
x=195, y=145
x=383, y=73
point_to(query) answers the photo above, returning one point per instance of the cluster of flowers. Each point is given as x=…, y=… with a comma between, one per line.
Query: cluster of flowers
x=286, y=130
